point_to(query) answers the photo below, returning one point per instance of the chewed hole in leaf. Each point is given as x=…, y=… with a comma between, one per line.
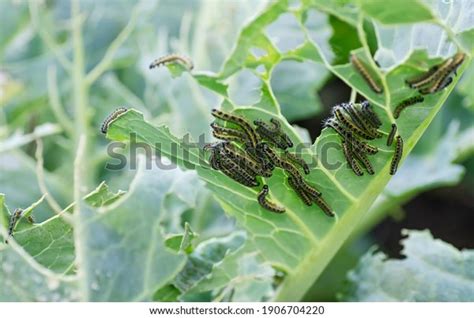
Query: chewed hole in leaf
x=295, y=85
x=258, y=52
x=285, y=33
x=245, y=87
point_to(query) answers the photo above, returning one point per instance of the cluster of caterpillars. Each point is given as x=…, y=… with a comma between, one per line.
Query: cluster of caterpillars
x=249, y=152
x=434, y=80
x=356, y=124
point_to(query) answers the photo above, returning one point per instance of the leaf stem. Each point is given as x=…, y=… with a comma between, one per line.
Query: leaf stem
x=55, y=102
x=46, y=37
x=107, y=60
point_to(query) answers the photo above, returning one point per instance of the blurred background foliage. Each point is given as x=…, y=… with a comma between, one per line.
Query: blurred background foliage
x=43, y=95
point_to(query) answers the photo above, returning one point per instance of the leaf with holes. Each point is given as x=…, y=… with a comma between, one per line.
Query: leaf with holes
x=301, y=242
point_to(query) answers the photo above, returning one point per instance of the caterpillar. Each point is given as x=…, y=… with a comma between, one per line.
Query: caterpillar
x=458, y=59
x=397, y=155
x=444, y=80
x=228, y=131
x=407, y=102
x=214, y=162
x=300, y=192
x=239, y=121
x=391, y=135
x=362, y=158
x=226, y=137
x=228, y=134
x=360, y=120
x=263, y=148
x=350, y=125
x=232, y=170
x=309, y=190
x=437, y=75
x=324, y=206
x=300, y=161
x=273, y=130
x=370, y=114
x=346, y=150
x=271, y=138
x=270, y=206
x=14, y=218
x=358, y=145
x=273, y=134
x=365, y=118
x=245, y=162
x=359, y=155
x=259, y=156
x=110, y=118
x=172, y=58
x=214, y=158
x=290, y=168
x=276, y=124
x=360, y=67
x=277, y=161
x=423, y=79
x=446, y=83
x=283, y=135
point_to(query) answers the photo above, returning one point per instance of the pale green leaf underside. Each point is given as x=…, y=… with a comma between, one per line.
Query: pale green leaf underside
x=432, y=271
x=123, y=256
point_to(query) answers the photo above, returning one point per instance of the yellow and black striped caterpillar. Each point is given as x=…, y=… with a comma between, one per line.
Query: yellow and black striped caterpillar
x=270, y=206
x=438, y=76
x=239, y=121
x=173, y=58
x=397, y=156
x=354, y=122
x=362, y=69
x=246, y=154
x=273, y=134
x=14, y=218
x=405, y=103
x=110, y=118
x=391, y=135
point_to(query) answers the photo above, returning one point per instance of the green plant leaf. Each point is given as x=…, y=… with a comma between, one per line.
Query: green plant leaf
x=301, y=242
x=22, y=275
x=200, y=263
x=21, y=279
x=102, y=196
x=432, y=168
x=432, y=271
x=17, y=166
x=396, y=12
x=181, y=242
x=49, y=243
x=243, y=275
x=124, y=240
